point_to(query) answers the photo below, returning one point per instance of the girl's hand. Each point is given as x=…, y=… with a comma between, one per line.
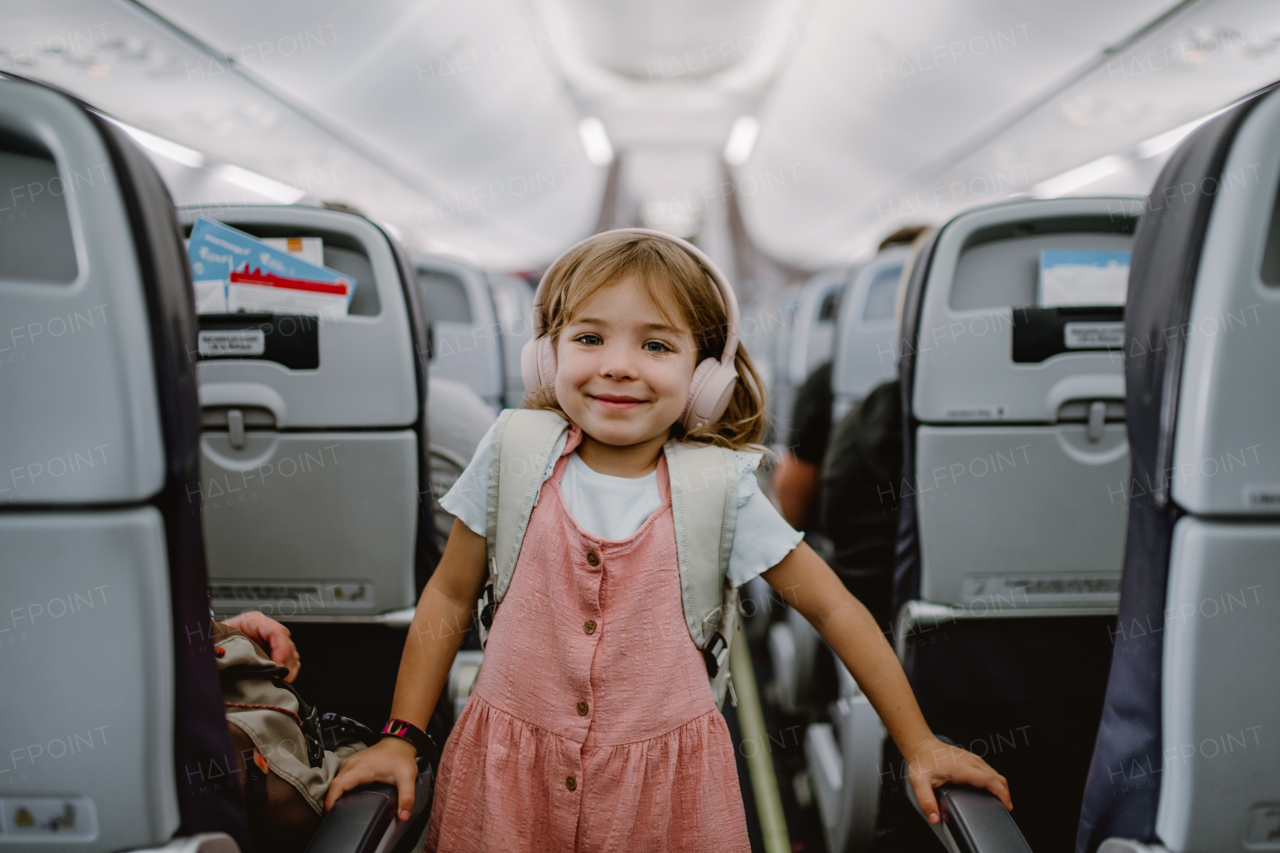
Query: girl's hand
x=269, y=633
x=390, y=760
x=934, y=763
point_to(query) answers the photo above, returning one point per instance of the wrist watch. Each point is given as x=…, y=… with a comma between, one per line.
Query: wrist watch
x=408, y=731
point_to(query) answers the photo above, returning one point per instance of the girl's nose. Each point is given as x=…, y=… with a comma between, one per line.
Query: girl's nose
x=618, y=363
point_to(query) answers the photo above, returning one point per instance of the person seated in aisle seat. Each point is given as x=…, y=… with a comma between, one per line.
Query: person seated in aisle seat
x=796, y=481
x=860, y=482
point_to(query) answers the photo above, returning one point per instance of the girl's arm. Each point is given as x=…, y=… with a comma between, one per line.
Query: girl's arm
x=440, y=622
x=808, y=584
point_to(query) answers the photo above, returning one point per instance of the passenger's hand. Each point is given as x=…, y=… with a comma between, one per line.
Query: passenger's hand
x=934, y=763
x=269, y=633
x=390, y=760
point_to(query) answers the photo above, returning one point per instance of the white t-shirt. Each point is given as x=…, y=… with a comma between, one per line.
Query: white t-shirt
x=615, y=507
x=610, y=507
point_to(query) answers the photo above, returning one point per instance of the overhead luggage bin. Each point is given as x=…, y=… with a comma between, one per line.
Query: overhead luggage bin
x=1183, y=761
x=866, y=352
x=109, y=704
x=313, y=450
x=466, y=336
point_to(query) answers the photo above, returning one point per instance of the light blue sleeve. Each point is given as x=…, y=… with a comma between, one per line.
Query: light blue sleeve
x=761, y=536
x=468, y=500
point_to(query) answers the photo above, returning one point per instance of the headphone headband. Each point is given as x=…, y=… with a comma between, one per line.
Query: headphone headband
x=727, y=297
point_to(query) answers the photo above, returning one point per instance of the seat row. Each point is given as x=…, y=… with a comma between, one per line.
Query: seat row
x=153, y=476
x=1087, y=517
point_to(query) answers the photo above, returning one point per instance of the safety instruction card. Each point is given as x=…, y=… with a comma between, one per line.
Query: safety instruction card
x=235, y=272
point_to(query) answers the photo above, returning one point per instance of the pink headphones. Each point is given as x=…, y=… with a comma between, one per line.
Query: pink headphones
x=714, y=379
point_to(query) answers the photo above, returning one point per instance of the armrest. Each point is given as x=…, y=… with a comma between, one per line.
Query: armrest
x=974, y=821
x=364, y=819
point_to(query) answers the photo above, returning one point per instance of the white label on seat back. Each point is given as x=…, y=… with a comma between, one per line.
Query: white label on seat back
x=232, y=342
x=1010, y=592
x=1090, y=335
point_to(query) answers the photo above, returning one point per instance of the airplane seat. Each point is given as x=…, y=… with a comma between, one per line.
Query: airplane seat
x=458, y=418
x=1009, y=551
x=466, y=337
x=805, y=340
x=865, y=355
x=1010, y=540
x=1183, y=760
x=103, y=570
x=844, y=760
x=311, y=454
x=513, y=302
x=814, y=337
x=779, y=323
x=795, y=647
x=314, y=450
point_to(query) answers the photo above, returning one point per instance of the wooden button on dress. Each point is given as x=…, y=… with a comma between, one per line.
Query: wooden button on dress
x=582, y=709
x=593, y=558
x=571, y=783
x=590, y=626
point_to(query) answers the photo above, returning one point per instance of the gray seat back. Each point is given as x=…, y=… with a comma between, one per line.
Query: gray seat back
x=777, y=325
x=313, y=511
x=513, y=302
x=108, y=704
x=804, y=340
x=1010, y=479
x=1220, y=564
x=865, y=352
x=1184, y=757
x=815, y=329
x=466, y=335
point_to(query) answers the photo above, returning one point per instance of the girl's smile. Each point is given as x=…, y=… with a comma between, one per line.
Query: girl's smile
x=617, y=403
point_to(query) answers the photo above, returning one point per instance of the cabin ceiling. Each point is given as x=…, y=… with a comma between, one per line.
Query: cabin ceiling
x=460, y=124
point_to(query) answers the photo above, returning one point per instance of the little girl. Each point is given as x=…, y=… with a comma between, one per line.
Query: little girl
x=592, y=725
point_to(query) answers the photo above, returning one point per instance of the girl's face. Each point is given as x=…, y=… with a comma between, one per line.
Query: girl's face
x=622, y=370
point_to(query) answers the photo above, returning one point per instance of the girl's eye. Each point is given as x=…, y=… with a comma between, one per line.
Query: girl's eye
x=656, y=346
x=589, y=339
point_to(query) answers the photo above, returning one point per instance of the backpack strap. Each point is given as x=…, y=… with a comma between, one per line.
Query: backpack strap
x=704, y=504
x=522, y=443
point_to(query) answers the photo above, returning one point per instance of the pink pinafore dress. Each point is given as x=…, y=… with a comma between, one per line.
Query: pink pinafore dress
x=592, y=726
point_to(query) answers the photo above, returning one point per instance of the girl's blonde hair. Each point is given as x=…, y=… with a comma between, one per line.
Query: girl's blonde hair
x=685, y=295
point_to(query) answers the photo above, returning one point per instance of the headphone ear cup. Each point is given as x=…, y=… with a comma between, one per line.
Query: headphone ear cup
x=709, y=393
x=547, y=366
x=538, y=366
